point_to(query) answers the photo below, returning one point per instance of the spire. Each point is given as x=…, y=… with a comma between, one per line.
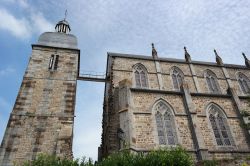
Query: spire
x=247, y=62
x=154, y=52
x=218, y=58
x=65, y=14
x=63, y=25
x=187, y=56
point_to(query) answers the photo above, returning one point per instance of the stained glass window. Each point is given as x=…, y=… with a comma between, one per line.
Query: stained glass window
x=140, y=74
x=244, y=83
x=160, y=129
x=177, y=77
x=212, y=82
x=165, y=124
x=219, y=126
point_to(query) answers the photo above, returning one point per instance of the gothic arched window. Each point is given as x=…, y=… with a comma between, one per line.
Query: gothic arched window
x=140, y=76
x=177, y=77
x=219, y=126
x=244, y=83
x=212, y=82
x=165, y=124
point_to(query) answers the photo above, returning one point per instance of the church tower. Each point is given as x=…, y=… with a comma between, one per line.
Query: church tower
x=43, y=115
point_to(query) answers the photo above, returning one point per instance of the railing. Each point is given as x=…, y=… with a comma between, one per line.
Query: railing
x=92, y=76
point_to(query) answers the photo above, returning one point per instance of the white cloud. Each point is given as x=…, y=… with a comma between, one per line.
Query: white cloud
x=17, y=27
x=24, y=27
x=87, y=125
x=40, y=24
x=22, y=3
x=6, y=71
x=86, y=143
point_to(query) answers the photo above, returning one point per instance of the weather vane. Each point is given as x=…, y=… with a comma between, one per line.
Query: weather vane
x=66, y=12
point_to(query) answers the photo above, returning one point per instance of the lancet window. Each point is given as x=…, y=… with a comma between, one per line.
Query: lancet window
x=165, y=124
x=140, y=76
x=219, y=126
x=244, y=83
x=212, y=82
x=177, y=77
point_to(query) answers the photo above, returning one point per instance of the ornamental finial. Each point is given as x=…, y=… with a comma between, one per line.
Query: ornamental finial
x=154, y=52
x=187, y=56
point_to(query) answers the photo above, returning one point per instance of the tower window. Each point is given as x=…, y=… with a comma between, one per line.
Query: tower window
x=244, y=83
x=177, y=77
x=140, y=76
x=53, y=62
x=212, y=82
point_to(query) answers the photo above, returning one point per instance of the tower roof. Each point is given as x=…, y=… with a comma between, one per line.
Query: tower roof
x=63, y=25
x=61, y=38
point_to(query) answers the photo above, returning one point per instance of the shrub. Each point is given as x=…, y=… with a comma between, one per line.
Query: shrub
x=50, y=160
x=170, y=157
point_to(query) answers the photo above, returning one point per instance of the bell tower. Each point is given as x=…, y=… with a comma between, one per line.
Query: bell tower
x=43, y=114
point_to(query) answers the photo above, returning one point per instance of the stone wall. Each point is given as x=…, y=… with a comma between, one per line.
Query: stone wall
x=190, y=108
x=43, y=114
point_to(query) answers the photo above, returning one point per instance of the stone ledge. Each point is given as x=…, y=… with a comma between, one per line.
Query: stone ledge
x=142, y=113
x=43, y=46
x=42, y=115
x=211, y=95
x=156, y=91
x=228, y=151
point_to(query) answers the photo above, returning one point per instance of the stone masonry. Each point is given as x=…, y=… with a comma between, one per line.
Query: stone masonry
x=43, y=115
x=204, y=108
x=128, y=110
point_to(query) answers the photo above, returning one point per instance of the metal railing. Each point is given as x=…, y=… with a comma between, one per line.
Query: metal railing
x=92, y=76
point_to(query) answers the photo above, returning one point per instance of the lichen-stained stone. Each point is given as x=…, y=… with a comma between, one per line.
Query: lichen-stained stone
x=138, y=121
x=43, y=114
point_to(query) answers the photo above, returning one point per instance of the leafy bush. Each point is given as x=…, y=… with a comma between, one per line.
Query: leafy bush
x=48, y=160
x=170, y=157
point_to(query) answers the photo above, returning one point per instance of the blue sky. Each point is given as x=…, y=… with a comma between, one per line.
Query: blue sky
x=116, y=26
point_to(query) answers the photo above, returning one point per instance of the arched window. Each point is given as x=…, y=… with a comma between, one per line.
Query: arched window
x=140, y=76
x=165, y=124
x=212, y=82
x=177, y=77
x=219, y=125
x=244, y=83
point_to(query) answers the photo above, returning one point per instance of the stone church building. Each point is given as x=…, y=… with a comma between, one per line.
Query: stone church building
x=152, y=102
x=149, y=103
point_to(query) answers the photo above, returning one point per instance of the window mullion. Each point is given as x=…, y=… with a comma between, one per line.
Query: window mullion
x=140, y=76
x=165, y=129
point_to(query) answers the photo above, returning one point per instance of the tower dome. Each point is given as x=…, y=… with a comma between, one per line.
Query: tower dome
x=61, y=38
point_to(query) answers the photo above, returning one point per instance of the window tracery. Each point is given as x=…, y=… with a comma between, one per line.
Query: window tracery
x=165, y=124
x=219, y=125
x=177, y=77
x=212, y=82
x=244, y=83
x=140, y=75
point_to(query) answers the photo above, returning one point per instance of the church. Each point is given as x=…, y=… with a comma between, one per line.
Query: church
x=149, y=103
x=152, y=102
